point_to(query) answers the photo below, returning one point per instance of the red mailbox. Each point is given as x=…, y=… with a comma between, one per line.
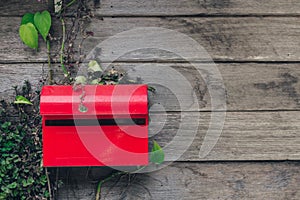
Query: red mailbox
x=111, y=131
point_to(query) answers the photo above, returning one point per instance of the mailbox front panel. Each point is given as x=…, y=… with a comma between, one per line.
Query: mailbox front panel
x=95, y=140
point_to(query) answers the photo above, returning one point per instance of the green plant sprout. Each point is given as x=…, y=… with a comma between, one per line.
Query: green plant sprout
x=157, y=155
x=31, y=26
x=96, y=75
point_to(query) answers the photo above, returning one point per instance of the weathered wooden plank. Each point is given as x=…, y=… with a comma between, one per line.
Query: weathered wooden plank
x=195, y=7
x=245, y=136
x=165, y=8
x=15, y=75
x=20, y=7
x=248, y=86
x=225, y=39
x=272, y=180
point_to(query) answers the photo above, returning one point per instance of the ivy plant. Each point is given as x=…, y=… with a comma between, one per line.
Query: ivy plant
x=21, y=174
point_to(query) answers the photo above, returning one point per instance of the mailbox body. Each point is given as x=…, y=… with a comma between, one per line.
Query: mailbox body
x=112, y=132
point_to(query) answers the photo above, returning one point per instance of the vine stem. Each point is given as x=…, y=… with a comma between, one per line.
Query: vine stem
x=49, y=185
x=66, y=74
x=98, y=193
x=50, y=71
x=70, y=3
x=65, y=7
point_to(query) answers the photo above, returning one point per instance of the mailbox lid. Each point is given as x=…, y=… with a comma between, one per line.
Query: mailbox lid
x=98, y=99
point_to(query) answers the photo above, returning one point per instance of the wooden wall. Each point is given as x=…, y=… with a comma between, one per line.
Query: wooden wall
x=256, y=46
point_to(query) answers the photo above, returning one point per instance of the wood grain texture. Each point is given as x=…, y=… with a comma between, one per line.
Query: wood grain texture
x=15, y=75
x=193, y=181
x=225, y=39
x=165, y=8
x=196, y=7
x=248, y=86
x=244, y=136
x=12, y=75
x=20, y=7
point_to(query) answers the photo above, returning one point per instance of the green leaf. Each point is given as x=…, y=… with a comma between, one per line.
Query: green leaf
x=94, y=66
x=27, y=182
x=5, y=125
x=29, y=35
x=157, y=155
x=3, y=196
x=12, y=185
x=95, y=82
x=22, y=100
x=42, y=22
x=5, y=190
x=27, y=18
x=80, y=80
